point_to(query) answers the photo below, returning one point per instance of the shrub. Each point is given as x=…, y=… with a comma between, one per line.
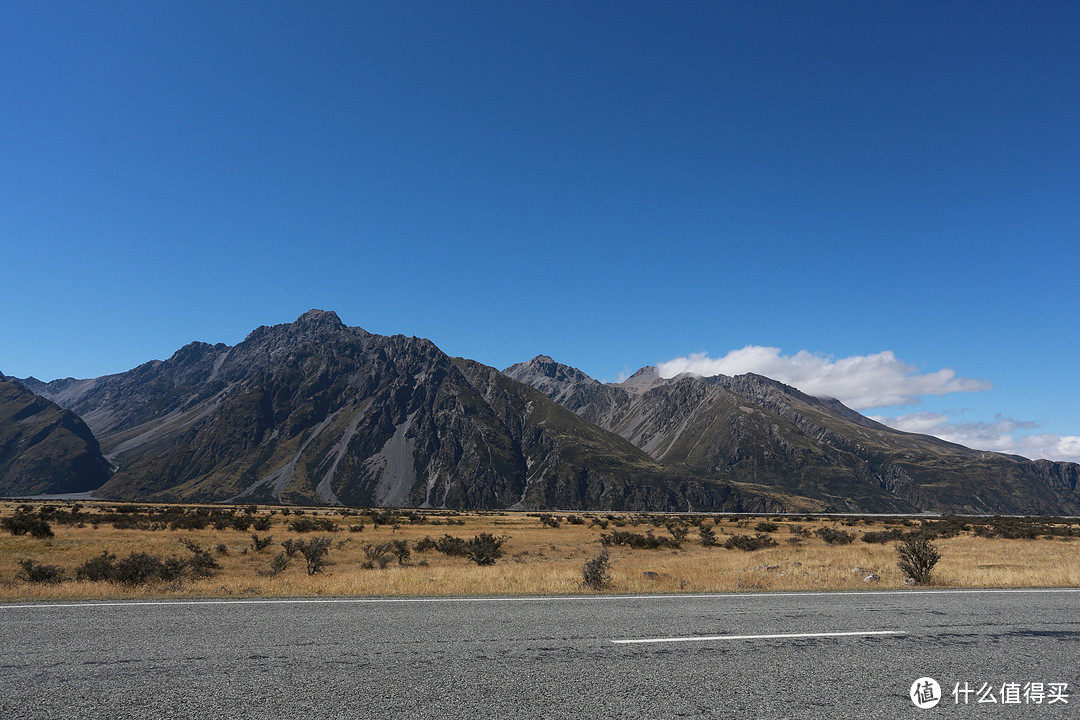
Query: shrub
x=305, y=524
x=261, y=524
x=259, y=543
x=882, y=536
x=833, y=536
x=241, y=523
x=549, y=520
x=137, y=568
x=766, y=526
x=708, y=535
x=25, y=522
x=594, y=574
x=678, y=531
x=277, y=565
x=485, y=548
x=748, y=543
x=425, y=545
x=314, y=552
x=97, y=569
x=453, y=546
x=291, y=546
x=36, y=572
x=916, y=558
x=377, y=554
x=638, y=541
x=400, y=548
x=201, y=563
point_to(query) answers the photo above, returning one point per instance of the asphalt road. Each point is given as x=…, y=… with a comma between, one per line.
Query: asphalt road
x=544, y=657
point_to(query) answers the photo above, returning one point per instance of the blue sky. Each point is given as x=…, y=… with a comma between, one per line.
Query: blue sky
x=881, y=194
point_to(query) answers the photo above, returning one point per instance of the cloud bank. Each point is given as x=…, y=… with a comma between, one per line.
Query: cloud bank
x=860, y=381
x=1001, y=435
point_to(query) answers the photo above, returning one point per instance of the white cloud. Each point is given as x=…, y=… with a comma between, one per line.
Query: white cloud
x=1002, y=435
x=860, y=381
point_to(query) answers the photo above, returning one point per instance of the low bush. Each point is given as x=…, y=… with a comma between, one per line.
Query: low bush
x=766, y=526
x=916, y=558
x=648, y=541
x=678, y=531
x=201, y=563
x=425, y=545
x=485, y=548
x=306, y=525
x=139, y=568
x=453, y=546
x=315, y=552
x=549, y=520
x=261, y=543
x=708, y=535
x=25, y=522
x=882, y=536
x=377, y=554
x=833, y=536
x=749, y=543
x=97, y=569
x=277, y=565
x=595, y=573
x=40, y=573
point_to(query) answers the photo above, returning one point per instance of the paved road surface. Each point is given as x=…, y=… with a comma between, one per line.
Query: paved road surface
x=541, y=657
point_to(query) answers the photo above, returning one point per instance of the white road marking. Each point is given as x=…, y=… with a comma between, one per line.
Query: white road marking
x=781, y=636
x=519, y=598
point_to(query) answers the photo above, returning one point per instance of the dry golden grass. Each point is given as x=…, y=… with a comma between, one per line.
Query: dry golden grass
x=537, y=560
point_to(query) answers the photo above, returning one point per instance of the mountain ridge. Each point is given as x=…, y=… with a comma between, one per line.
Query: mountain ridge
x=318, y=412
x=315, y=411
x=752, y=429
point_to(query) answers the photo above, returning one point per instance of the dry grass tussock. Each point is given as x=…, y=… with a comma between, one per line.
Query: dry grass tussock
x=537, y=558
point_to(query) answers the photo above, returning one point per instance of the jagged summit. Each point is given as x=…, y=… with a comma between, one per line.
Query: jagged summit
x=319, y=317
x=644, y=379
x=549, y=377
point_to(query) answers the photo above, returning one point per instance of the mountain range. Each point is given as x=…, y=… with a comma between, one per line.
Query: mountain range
x=318, y=412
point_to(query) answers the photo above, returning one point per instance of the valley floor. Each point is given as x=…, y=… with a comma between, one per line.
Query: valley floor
x=100, y=550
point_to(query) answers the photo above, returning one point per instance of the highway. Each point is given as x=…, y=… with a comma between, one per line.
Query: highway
x=777, y=655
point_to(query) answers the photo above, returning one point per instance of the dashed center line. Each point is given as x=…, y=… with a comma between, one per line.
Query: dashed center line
x=781, y=636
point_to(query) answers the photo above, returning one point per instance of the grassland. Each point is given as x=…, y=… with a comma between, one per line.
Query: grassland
x=537, y=557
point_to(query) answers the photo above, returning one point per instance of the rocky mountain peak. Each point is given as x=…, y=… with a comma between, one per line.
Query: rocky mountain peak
x=543, y=369
x=643, y=380
x=319, y=318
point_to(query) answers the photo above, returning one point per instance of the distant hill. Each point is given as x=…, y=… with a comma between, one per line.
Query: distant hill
x=765, y=436
x=45, y=449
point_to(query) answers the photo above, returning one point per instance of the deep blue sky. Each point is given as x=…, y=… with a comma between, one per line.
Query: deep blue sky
x=612, y=184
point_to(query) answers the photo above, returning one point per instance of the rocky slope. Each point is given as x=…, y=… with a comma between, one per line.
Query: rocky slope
x=317, y=412
x=43, y=448
x=769, y=437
